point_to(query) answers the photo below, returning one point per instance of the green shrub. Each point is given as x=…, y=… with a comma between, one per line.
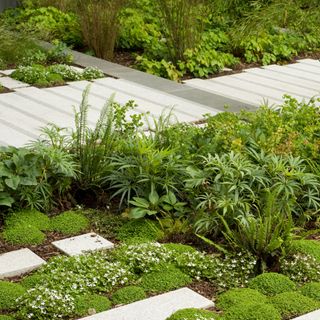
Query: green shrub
x=311, y=290
x=69, y=223
x=31, y=217
x=31, y=281
x=293, y=304
x=4, y=317
x=193, y=314
x=90, y=73
x=252, y=311
x=23, y=234
x=140, y=230
x=179, y=248
x=128, y=295
x=162, y=281
x=9, y=292
x=91, y=303
x=272, y=283
x=234, y=297
x=308, y=247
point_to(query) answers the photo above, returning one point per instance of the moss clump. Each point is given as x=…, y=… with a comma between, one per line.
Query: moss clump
x=30, y=217
x=23, y=234
x=9, y=292
x=128, y=295
x=91, y=303
x=272, y=283
x=162, y=281
x=69, y=223
x=193, y=314
x=238, y=296
x=311, y=290
x=31, y=281
x=293, y=304
x=179, y=248
x=139, y=231
x=308, y=247
x=252, y=311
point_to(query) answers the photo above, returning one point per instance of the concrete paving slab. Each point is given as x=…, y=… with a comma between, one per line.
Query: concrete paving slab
x=310, y=316
x=82, y=244
x=12, y=83
x=234, y=93
x=16, y=263
x=156, y=308
x=7, y=72
x=290, y=79
x=312, y=62
x=305, y=67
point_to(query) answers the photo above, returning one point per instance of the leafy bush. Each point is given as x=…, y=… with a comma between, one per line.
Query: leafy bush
x=307, y=247
x=23, y=234
x=91, y=303
x=90, y=73
x=128, y=295
x=234, y=297
x=141, y=230
x=272, y=283
x=69, y=223
x=311, y=290
x=166, y=280
x=300, y=268
x=193, y=314
x=293, y=304
x=49, y=23
x=33, y=218
x=9, y=292
x=252, y=311
x=4, y=317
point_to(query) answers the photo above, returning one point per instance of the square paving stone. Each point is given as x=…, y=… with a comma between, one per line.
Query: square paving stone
x=12, y=83
x=156, y=308
x=310, y=316
x=16, y=263
x=81, y=244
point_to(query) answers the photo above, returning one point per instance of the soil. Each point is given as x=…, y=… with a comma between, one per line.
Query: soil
x=5, y=90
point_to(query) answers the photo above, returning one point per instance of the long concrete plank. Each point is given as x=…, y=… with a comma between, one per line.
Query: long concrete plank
x=286, y=78
x=305, y=67
x=276, y=84
x=312, y=62
x=156, y=308
x=235, y=93
x=251, y=87
x=310, y=316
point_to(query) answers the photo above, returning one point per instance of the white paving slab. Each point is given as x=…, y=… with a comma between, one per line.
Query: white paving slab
x=12, y=83
x=81, y=244
x=156, y=308
x=16, y=263
x=313, y=62
x=310, y=316
x=7, y=72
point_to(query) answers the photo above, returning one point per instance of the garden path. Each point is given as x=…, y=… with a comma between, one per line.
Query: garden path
x=27, y=109
x=268, y=84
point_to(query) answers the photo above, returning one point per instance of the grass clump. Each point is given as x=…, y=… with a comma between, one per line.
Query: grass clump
x=193, y=314
x=128, y=295
x=34, y=218
x=311, y=290
x=272, y=283
x=307, y=247
x=23, y=234
x=252, y=311
x=179, y=248
x=162, y=281
x=91, y=303
x=293, y=304
x=31, y=281
x=139, y=231
x=69, y=223
x=239, y=296
x=9, y=292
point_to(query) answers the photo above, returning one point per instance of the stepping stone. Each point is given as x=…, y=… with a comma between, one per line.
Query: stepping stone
x=315, y=315
x=156, y=308
x=12, y=83
x=16, y=263
x=81, y=244
x=7, y=72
